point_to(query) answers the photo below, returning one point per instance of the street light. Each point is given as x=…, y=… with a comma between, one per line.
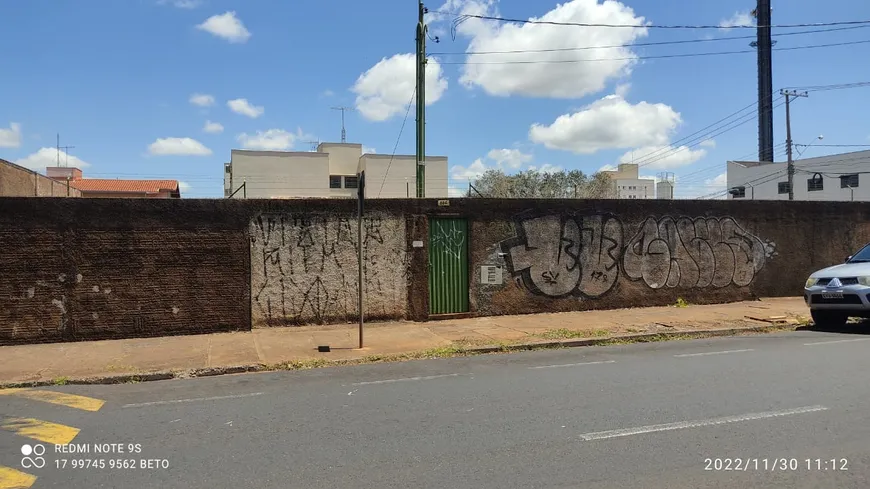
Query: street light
x=807, y=146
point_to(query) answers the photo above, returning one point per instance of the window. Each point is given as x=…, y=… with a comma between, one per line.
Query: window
x=351, y=182
x=849, y=181
x=783, y=187
x=815, y=184
x=335, y=181
x=738, y=192
x=229, y=169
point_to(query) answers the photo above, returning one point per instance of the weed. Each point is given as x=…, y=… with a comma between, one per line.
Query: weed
x=681, y=302
x=564, y=334
x=60, y=381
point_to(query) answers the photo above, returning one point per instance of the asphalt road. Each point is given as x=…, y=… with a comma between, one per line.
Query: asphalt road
x=646, y=415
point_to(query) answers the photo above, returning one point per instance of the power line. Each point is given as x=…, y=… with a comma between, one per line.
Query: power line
x=464, y=17
x=396, y=147
x=661, y=56
x=639, y=44
x=823, y=88
x=836, y=145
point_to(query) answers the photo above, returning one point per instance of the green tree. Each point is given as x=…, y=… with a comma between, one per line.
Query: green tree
x=532, y=184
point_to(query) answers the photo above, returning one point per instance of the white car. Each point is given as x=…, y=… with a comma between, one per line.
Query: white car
x=836, y=293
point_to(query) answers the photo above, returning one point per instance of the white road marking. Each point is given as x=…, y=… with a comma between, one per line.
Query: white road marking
x=406, y=379
x=178, y=401
x=572, y=364
x=710, y=353
x=603, y=435
x=835, y=341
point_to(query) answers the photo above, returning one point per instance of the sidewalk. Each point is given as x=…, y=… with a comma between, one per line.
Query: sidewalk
x=176, y=356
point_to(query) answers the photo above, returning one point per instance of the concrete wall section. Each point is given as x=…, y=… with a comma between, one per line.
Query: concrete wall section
x=610, y=255
x=75, y=269
x=304, y=268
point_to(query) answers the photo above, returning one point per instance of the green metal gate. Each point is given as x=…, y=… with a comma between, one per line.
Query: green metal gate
x=448, y=265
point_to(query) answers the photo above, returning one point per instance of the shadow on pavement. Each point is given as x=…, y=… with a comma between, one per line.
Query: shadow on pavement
x=861, y=327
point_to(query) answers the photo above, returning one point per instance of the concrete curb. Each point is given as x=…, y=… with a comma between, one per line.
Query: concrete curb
x=259, y=367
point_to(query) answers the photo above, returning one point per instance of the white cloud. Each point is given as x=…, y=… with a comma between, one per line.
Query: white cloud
x=46, y=157
x=608, y=168
x=369, y=150
x=556, y=78
x=663, y=157
x=608, y=123
x=183, y=186
x=185, y=4
x=212, y=127
x=11, y=138
x=509, y=158
x=546, y=168
x=720, y=180
x=243, y=107
x=737, y=20
x=201, y=99
x=226, y=26
x=385, y=89
x=271, y=140
x=708, y=143
x=328, y=93
x=471, y=172
x=178, y=146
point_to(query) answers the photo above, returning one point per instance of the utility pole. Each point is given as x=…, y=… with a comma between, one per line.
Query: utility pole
x=343, y=132
x=765, y=80
x=788, y=142
x=422, y=33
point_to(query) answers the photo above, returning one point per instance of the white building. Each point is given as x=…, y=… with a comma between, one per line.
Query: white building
x=628, y=185
x=833, y=177
x=329, y=172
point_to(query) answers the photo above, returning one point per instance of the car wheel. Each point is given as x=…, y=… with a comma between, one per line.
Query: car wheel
x=828, y=319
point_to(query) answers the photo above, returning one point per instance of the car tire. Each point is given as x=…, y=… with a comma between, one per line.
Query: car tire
x=828, y=319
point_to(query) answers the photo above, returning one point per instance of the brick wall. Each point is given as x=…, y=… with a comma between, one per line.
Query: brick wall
x=77, y=269
x=17, y=181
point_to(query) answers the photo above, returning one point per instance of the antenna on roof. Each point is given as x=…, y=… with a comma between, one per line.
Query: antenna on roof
x=343, y=132
x=65, y=152
x=314, y=145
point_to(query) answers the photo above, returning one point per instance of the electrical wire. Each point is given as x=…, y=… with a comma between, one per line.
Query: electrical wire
x=661, y=56
x=639, y=44
x=396, y=147
x=462, y=18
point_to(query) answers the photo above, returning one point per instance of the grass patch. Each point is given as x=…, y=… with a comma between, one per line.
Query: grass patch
x=566, y=334
x=60, y=381
x=681, y=302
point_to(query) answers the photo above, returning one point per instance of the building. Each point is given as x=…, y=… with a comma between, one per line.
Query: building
x=829, y=178
x=665, y=186
x=17, y=181
x=329, y=172
x=109, y=188
x=627, y=183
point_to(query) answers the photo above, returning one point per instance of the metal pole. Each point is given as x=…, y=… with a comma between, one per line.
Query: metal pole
x=359, y=247
x=788, y=146
x=245, y=189
x=765, y=81
x=421, y=101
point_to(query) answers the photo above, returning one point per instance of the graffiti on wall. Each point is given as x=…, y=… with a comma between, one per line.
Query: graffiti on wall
x=700, y=252
x=560, y=256
x=304, y=268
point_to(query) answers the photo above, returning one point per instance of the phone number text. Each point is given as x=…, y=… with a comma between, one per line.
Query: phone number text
x=112, y=463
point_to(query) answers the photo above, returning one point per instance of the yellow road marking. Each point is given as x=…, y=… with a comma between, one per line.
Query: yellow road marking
x=44, y=431
x=13, y=479
x=69, y=400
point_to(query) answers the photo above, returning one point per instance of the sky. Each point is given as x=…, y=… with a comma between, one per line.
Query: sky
x=167, y=88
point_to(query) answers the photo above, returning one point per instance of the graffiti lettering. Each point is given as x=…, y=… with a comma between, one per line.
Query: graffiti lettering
x=687, y=252
x=304, y=269
x=558, y=257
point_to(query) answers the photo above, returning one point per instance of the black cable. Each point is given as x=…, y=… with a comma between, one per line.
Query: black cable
x=662, y=56
x=640, y=44
x=396, y=147
x=464, y=17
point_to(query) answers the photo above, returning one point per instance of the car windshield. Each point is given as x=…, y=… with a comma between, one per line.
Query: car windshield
x=862, y=256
